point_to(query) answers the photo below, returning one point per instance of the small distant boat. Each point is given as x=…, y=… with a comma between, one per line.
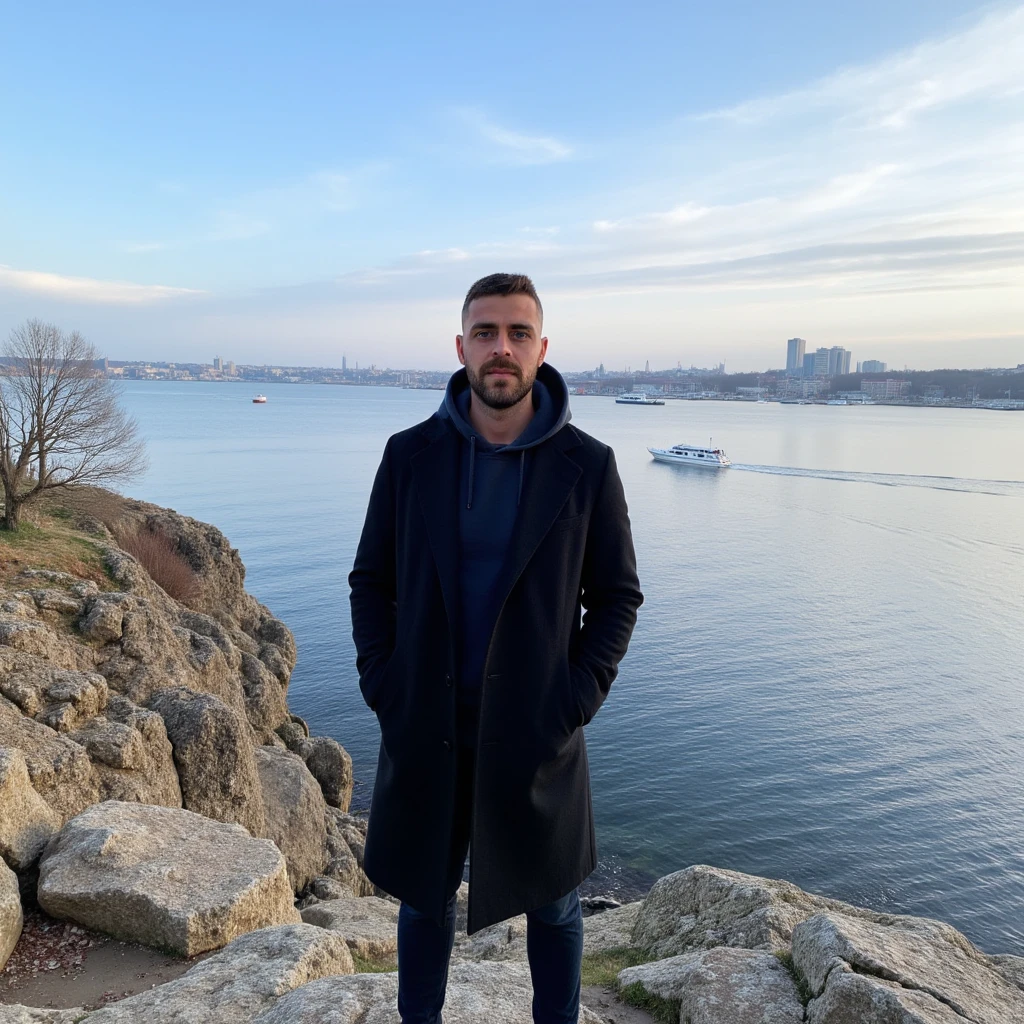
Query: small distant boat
x=259, y=399
x=692, y=455
x=637, y=398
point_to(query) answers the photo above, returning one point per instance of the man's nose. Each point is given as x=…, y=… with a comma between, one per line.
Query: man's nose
x=503, y=342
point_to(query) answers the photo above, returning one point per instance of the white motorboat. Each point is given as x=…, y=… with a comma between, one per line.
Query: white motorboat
x=259, y=399
x=637, y=398
x=692, y=455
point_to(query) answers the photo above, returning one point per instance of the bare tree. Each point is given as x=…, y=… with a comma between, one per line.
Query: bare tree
x=60, y=421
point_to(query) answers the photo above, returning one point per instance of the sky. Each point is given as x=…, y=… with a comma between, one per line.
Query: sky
x=686, y=183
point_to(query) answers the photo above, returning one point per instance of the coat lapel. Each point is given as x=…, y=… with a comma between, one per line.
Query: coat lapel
x=436, y=475
x=550, y=477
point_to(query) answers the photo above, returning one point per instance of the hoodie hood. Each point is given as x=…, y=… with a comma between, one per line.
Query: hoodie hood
x=550, y=404
x=551, y=413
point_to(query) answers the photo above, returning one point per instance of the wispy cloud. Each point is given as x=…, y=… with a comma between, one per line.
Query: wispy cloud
x=984, y=62
x=845, y=190
x=89, y=290
x=514, y=147
x=276, y=207
x=841, y=201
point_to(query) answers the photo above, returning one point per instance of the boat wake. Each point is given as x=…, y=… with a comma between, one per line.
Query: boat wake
x=964, y=485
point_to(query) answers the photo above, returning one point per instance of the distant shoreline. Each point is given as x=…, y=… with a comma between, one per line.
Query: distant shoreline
x=727, y=397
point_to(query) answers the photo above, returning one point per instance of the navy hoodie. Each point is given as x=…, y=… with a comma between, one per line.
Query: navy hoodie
x=491, y=483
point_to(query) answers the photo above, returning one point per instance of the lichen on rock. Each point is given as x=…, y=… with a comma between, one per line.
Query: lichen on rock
x=164, y=877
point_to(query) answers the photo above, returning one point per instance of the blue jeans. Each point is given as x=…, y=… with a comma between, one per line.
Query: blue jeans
x=554, y=946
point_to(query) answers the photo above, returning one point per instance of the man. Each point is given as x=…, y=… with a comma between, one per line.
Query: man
x=491, y=527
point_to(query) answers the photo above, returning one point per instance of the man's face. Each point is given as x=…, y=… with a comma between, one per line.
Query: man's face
x=502, y=348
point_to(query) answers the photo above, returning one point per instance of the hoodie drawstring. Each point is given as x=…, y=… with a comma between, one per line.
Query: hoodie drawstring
x=522, y=466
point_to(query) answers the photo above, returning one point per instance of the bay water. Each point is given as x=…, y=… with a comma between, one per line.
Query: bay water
x=826, y=682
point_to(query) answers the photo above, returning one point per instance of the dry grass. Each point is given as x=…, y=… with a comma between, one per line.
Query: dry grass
x=159, y=556
x=79, y=503
x=375, y=965
x=48, y=544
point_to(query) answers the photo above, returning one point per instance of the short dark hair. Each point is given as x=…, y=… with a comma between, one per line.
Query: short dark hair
x=502, y=284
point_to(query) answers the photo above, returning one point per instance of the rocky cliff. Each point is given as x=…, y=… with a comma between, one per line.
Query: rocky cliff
x=111, y=689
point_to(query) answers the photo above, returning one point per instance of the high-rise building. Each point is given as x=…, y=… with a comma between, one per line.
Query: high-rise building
x=821, y=363
x=809, y=364
x=218, y=364
x=838, y=360
x=344, y=364
x=872, y=366
x=795, y=348
x=231, y=368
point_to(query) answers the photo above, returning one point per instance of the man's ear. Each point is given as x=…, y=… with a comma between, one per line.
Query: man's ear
x=543, y=350
x=459, y=350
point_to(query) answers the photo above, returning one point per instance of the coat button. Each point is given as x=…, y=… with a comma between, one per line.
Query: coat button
x=447, y=744
x=448, y=680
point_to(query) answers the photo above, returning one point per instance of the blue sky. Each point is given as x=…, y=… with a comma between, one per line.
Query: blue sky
x=287, y=183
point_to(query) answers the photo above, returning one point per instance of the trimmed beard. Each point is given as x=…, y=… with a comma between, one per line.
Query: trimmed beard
x=501, y=396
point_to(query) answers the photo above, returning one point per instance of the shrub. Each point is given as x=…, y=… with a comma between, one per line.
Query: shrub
x=159, y=556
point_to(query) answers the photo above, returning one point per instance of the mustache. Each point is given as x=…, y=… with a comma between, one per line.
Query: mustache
x=501, y=364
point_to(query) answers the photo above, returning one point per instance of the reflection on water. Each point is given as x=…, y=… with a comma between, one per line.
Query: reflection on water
x=825, y=680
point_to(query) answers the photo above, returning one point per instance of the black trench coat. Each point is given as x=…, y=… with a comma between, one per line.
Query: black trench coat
x=532, y=838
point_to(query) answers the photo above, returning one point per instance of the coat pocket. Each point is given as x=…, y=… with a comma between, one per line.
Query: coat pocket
x=376, y=688
x=563, y=716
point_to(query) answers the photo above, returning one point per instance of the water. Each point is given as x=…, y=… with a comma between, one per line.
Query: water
x=825, y=681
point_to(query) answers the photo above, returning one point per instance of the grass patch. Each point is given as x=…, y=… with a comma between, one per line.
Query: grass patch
x=48, y=543
x=374, y=964
x=24, y=535
x=664, y=1010
x=785, y=958
x=603, y=968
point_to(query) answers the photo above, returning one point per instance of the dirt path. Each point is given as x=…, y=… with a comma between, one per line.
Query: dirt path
x=60, y=965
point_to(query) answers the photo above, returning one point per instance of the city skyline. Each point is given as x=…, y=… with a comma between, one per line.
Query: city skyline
x=320, y=183
x=230, y=367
